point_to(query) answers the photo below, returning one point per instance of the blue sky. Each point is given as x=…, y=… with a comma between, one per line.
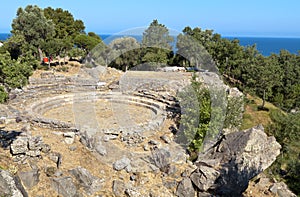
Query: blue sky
x=275, y=18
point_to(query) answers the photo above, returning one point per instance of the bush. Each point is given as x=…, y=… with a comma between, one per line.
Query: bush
x=286, y=129
x=3, y=95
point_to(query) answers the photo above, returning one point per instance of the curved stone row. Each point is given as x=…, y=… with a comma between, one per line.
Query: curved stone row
x=37, y=109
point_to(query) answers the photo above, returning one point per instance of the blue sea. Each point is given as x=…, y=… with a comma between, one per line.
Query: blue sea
x=265, y=45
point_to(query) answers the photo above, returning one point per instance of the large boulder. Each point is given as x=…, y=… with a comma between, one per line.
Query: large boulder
x=226, y=168
x=185, y=188
x=8, y=186
x=30, y=178
x=86, y=180
x=64, y=186
x=19, y=146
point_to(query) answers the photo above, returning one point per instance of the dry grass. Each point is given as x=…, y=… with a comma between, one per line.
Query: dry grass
x=252, y=116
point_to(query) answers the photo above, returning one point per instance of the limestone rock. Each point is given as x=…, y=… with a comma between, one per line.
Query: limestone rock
x=90, y=183
x=56, y=158
x=69, y=140
x=185, y=188
x=46, y=148
x=161, y=159
x=121, y=164
x=281, y=190
x=240, y=156
x=101, y=149
x=30, y=178
x=35, y=143
x=19, y=146
x=204, y=177
x=132, y=192
x=8, y=185
x=69, y=137
x=166, y=139
x=118, y=188
x=64, y=186
x=33, y=153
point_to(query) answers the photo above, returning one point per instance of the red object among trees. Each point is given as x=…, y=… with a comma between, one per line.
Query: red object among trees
x=45, y=59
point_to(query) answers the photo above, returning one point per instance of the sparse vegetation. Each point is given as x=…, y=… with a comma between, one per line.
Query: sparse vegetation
x=38, y=33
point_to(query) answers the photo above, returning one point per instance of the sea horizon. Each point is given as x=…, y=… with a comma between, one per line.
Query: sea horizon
x=264, y=44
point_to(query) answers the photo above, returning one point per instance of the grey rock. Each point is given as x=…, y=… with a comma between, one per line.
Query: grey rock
x=19, y=146
x=166, y=139
x=161, y=159
x=8, y=185
x=19, y=158
x=121, y=164
x=56, y=158
x=46, y=148
x=128, y=168
x=204, y=194
x=64, y=186
x=58, y=173
x=30, y=178
x=170, y=184
x=146, y=147
x=35, y=143
x=185, y=188
x=72, y=148
x=281, y=190
x=69, y=137
x=132, y=192
x=33, y=153
x=85, y=179
x=69, y=140
x=101, y=149
x=153, y=142
x=204, y=177
x=87, y=137
x=118, y=188
x=263, y=182
x=238, y=157
x=107, y=138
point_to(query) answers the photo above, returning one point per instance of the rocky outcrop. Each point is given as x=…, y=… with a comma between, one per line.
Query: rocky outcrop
x=236, y=158
x=281, y=190
x=25, y=146
x=86, y=180
x=65, y=187
x=30, y=178
x=8, y=186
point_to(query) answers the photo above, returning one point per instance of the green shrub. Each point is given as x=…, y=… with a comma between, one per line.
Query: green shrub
x=3, y=95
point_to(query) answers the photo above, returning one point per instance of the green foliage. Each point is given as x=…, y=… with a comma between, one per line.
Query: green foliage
x=274, y=78
x=234, y=112
x=157, y=35
x=286, y=129
x=65, y=24
x=124, y=53
x=32, y=26
x=156, y=44
x=195, y=115
x=14, y=73
x=86, y=42
x=3, y=95
x=76, y=52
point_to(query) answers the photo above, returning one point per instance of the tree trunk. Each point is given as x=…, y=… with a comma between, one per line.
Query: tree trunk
x=264, y=100
x=40, y=54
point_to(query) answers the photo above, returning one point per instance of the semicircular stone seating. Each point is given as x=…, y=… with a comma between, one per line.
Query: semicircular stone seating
x=155, y=105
